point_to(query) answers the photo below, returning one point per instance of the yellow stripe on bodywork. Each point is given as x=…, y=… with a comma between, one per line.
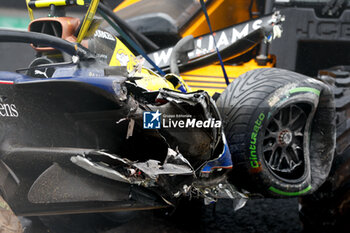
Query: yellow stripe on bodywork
x=211, y=91
x=205, y=78
x=150, y=81
x=80, y=2
x=30, y=11
x=122, y=55
x=125, y=4
x=90, y=14
x=203, y=84
x=209, y=78
x=42, y=4
x=196, y=24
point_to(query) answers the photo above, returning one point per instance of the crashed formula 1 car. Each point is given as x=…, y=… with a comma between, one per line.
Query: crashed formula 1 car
x=86, y=128
x=313, y=43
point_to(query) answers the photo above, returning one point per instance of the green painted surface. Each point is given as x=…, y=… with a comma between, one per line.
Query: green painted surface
x=14, y=22
x=273, y=189
x=305, y=89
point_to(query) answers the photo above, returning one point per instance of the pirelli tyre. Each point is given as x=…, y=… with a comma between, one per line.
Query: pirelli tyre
x=9, y=223
x=280, y=127
x=328, y=209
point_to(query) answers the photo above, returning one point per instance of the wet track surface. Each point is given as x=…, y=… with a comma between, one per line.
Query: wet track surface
x=268, y=215
x=258, y=216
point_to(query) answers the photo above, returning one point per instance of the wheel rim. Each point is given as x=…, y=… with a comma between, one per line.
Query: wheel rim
x=283, y=142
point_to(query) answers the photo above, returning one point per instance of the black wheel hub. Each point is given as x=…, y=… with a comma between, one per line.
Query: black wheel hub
x=285, y=137
x=283, y=142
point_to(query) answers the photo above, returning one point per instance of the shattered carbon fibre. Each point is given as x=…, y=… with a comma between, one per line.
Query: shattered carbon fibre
x=195, y=177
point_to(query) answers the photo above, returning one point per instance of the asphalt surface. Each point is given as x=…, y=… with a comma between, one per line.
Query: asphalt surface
x=265, y=215
x=258, y=216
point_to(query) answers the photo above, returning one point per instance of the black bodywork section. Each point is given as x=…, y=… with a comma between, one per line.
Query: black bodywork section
x=56, y=120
